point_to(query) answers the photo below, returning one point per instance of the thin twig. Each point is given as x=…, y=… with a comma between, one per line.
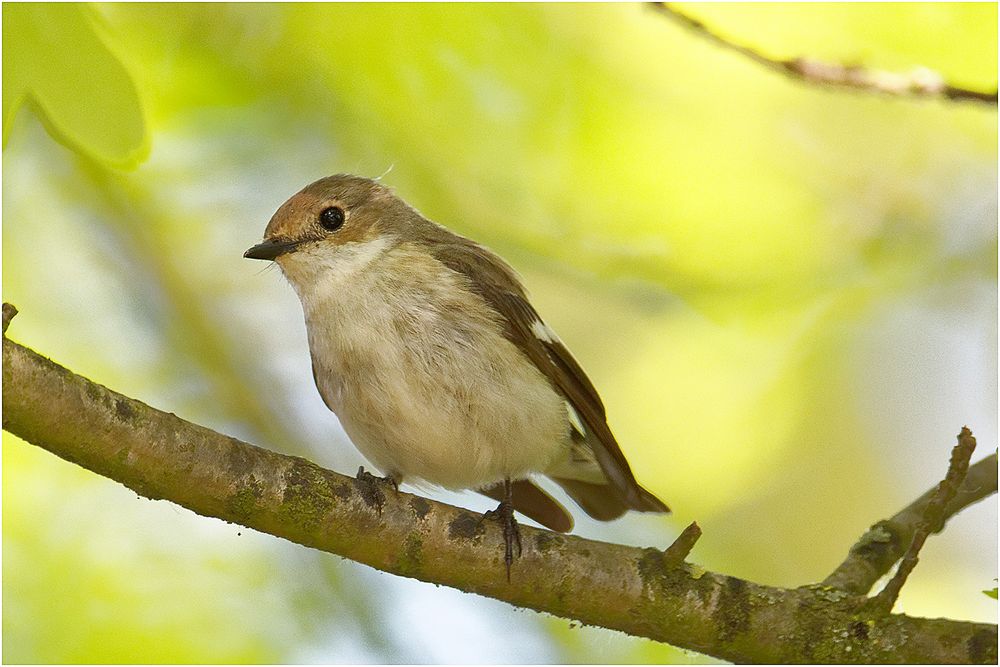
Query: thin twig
x=9, y=311
x=919, y=83
x=934, y=516
x=675, y=554
x=883, y=544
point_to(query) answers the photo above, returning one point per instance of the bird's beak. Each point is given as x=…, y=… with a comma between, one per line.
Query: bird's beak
x=270, y=249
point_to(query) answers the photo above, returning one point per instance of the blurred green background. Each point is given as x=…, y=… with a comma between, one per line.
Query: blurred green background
x=786, y=295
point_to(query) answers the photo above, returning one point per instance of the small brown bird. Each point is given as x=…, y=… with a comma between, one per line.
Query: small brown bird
x=425, y=345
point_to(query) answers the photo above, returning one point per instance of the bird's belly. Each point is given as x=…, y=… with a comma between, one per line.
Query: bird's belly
x=440, y=450
x=461, y=423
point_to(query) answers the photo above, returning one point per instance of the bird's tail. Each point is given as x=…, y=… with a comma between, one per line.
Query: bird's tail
x=604, y=503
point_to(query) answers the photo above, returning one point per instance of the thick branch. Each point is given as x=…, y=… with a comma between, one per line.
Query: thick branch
x=885, y=542
x=160, y=455
x=921, y=82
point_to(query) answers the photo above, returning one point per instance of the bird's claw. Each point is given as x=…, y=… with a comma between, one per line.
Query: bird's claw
x=504, y=513
x=368, y=486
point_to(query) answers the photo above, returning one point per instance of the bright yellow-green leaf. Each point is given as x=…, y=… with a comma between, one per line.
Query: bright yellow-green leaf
x=53, y=56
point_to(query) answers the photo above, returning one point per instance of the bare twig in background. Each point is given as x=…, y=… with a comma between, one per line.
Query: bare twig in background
x=933, y=517
x=921, y=82
x=159, y=455
x=884, y=543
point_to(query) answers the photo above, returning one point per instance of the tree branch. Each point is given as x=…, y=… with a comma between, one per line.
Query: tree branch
x=634, y=590
x=884, y=543
x=933, y=517
x=920, y=83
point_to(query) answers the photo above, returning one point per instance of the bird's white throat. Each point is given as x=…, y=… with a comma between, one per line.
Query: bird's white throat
x=320, y=270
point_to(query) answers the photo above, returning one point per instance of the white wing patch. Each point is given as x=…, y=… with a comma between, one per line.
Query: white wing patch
x=543, y=332
x=574, y=419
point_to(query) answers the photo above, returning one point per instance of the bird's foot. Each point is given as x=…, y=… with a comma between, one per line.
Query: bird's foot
x=504, y=513
x=369, y=486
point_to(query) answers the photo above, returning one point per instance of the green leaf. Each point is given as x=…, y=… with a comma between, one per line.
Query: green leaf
x=54, y=58
x=992, y=593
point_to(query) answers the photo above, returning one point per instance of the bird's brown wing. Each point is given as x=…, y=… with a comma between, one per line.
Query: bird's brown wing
x=491, y=278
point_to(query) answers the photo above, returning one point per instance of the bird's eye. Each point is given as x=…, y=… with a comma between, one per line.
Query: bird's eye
x=332, y=218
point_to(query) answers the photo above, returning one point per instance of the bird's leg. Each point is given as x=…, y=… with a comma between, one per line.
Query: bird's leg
x=511, y=532
x=368, y=486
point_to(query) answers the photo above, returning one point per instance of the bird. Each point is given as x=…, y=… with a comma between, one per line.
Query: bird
x=427, y=348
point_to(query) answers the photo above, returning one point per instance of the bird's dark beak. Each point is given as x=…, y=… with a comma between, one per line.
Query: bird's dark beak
x=270, y=249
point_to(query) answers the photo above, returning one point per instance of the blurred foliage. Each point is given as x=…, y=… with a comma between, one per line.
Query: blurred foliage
x=46, y=46
x=786, y=295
